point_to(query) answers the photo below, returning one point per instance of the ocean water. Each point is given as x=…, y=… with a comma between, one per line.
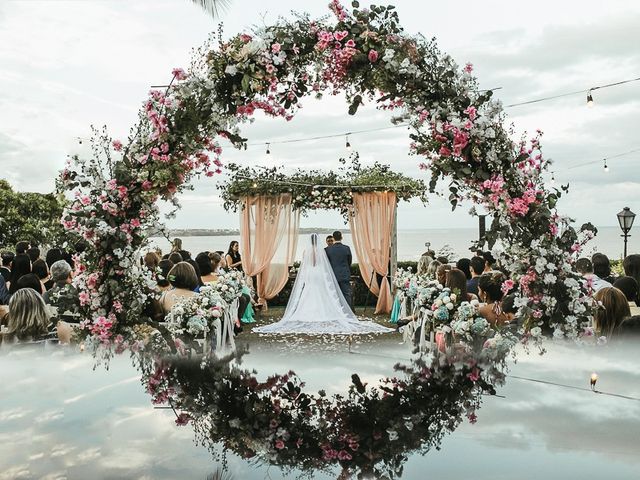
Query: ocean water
x=411, y=243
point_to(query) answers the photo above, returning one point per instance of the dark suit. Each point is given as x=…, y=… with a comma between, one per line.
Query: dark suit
x=340, y=259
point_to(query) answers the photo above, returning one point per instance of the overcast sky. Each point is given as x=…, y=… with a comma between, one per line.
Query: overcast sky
x=67, y=64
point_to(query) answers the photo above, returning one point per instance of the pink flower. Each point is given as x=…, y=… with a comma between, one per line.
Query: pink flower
x=245, y=38
x=135, y=223
x=147, y=185
x=85, y=200
x=373, y=56
x=474, y=375
x=339, y=36
x=344, y=455
x=507, y=286
x=117, y=145
x=444, y=151
x=279, y=444
x=468, y=68
x=178, y=74
x=183, y=419
x=471, y=112
x=276, y=47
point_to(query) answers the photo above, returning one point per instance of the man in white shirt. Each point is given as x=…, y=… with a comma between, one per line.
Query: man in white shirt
x=585, y=268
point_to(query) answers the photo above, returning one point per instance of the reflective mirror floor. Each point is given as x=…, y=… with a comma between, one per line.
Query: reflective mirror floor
x=61, y=418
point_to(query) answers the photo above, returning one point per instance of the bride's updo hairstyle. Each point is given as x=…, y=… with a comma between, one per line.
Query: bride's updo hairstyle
x=491, y=286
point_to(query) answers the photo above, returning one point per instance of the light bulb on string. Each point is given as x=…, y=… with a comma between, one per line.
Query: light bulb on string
x=348, y=144
x=589, y=99
x=255, y=184
x=606, y=167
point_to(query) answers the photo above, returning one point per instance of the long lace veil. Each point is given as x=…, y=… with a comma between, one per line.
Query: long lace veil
x=315, y=267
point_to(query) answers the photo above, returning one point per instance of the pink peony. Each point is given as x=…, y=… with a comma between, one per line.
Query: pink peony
x=373, y=56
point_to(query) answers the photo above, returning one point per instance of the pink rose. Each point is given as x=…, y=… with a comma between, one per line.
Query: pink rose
x=339, y=36
x=373, y=56
x=179, y=74
x=279, y=444
x=276, y=47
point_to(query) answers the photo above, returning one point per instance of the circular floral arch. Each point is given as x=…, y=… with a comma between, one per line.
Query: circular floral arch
x=365, y=54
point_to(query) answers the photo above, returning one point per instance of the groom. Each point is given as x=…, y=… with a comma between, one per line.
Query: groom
x=340, y=260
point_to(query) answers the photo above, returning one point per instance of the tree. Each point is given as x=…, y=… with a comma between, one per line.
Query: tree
x=29, y=216
x=213, y=7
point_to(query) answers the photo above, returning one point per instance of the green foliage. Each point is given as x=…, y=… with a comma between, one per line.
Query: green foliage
x=28, y=216
x=318, y=189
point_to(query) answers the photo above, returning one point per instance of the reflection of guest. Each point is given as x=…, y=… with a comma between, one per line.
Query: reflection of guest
x=232, y=258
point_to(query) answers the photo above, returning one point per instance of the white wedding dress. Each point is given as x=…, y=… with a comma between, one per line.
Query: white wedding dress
x=316, y=305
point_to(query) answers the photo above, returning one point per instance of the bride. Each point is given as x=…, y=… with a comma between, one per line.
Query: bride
x=316, y=305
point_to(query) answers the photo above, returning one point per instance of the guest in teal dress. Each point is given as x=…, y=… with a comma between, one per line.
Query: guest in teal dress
x=249, y=313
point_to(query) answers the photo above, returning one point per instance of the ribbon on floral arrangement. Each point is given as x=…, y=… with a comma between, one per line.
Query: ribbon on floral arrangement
x=227, y=336
x=403, y=306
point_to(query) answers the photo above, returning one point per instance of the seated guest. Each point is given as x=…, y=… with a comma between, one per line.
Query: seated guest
x=184, y=281
x=490, y=292
x=5, y=266
x=176, y=245
x=186, y=256
x=423, y=264
x=508, y=307
x=52, y=256
x=31, y=280
x=165, y=267
x=22, y=247
x=612, y=310
x=20, y=266
x=476, y=267
x=629, y=287
x=195, y=266
x=28, y=319
x=631, y=266
x=442, y=259
x=630, y=327
x=602, y=267
x=489, y=262
x=216, y=263
x=432, y=270
x=457, y=282
x=464, y=264
x=151, y=261
x=223, y=262
x=175, y=258
x=585, y=268
x=34, y=253
x=61, y=276
x=40, y=268
x=206, y=268
x=4, y=292
x=442, y=273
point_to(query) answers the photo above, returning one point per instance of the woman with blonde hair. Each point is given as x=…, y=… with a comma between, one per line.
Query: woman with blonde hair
x=184, y=280
x=28, y=318
x=613, y=308
x=432, y=270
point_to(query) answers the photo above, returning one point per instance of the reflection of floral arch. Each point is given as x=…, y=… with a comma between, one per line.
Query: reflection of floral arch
x=367, y=431
x=366, y=55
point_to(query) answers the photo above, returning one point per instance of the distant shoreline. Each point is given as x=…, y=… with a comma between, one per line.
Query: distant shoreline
x=205, y=232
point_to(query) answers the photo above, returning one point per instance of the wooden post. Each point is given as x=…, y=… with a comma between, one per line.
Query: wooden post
x=394, y=249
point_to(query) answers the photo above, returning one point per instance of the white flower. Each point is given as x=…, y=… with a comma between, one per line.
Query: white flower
x=453, y=297
x=231, y=70
x=450, y=306
x=536, y=331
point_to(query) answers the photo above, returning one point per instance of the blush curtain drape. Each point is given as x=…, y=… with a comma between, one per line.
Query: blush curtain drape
x=268, y=240
x=371, y=220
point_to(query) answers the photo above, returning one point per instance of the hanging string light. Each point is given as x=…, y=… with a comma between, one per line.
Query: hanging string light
x=589, y=99
x=347, y=143
x=606, y=167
